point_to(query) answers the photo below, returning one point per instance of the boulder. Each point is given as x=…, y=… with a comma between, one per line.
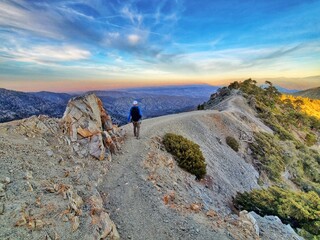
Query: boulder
x=105, y=227
x=249, y=221
x=252, y=102
x=90, y=128
x=271, y=227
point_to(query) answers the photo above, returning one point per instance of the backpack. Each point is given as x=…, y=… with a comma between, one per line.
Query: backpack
x=135, y=114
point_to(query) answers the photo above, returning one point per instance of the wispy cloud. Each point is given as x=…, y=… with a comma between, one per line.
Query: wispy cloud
x=134, y=39
x=111, y=39
x=44, y=54
x=219, y=61
x=134, y=17
x=14, y=15
x=70, y=23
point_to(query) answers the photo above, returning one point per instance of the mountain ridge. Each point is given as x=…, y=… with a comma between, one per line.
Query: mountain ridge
x=154, y=101
x=310, y=93
x=143, y=182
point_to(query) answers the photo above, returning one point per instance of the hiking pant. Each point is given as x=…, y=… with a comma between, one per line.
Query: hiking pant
x=136, y=128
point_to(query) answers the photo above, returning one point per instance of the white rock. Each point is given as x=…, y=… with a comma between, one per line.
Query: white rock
x=1, y=208
x=254, y=223
x=28, y=175
x=49, y=153
x=7, y=180
x=274, y=228
x=86, y=117
x=2, y=187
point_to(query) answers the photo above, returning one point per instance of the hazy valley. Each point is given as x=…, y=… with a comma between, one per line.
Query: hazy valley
x=155, y=101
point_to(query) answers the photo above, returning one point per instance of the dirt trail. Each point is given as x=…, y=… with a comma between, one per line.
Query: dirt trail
x=135, y=205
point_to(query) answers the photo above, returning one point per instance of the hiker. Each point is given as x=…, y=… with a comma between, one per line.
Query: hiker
x=135, y=116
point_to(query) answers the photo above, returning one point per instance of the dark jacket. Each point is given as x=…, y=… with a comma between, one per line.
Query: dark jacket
x=135, y=114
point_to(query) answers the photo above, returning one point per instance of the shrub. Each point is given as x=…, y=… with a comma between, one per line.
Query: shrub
x=270, y=155
x=311, y=139
x=186, y=153
x=200, y=107
x=233, y=143
x=300, y=209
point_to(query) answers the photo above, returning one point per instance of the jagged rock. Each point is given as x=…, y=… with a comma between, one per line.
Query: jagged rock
x=28, y=187
x=90, y=128
x=247, y=219
x=220, y=95
x=105, y=226
x=224, y=92
x=41, y=124
x=49, y=153
x=39, y=224
x=75, y=201
x=271, y=227
x=2, y=187
x=252, y=102
x=28, y=175
x=6, y=180
x=75, y=223
x=1, y=208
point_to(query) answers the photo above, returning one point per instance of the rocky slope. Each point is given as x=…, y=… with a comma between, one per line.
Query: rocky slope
x=54, y=187
x=49, y=188
x=168, y=202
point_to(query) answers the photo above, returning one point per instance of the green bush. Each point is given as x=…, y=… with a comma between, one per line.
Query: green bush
x=200, y=107
x=233, y=143
x=270, y=155
x=311, y=139
x=301, y=210
x=186, y=153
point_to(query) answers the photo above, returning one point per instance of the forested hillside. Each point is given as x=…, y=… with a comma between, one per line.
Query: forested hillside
x=287, y=160
x=309, y=106
x=313, y=93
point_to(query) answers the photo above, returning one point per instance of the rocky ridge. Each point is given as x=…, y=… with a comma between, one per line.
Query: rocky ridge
x=90, y=128
x=51, y=190
x=169, y=202
x=48, y=190
x=313, y=93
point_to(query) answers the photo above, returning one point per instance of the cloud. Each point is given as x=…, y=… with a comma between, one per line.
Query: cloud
x=236, y=59
x=134, y=39
x=44, y=54
x=134, y=17
x=87, y=23
x=19, y=17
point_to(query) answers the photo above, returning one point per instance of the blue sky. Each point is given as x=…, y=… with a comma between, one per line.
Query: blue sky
x=67, y=44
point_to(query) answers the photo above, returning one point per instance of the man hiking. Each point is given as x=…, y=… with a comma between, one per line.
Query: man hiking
x=135, y=116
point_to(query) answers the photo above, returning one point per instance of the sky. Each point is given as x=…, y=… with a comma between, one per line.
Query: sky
x=68, y=45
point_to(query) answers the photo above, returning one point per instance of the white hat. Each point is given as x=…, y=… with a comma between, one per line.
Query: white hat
x=135, y=103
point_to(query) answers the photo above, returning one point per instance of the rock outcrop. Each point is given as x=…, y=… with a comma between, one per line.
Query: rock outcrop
x=90, y=128
x=219, y=96
x=271, y=227
x=46, y=191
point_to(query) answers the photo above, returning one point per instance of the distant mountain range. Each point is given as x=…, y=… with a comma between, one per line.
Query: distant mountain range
x=16, y=105
x=282, y=89
x=313, y=93
x=154, y=101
